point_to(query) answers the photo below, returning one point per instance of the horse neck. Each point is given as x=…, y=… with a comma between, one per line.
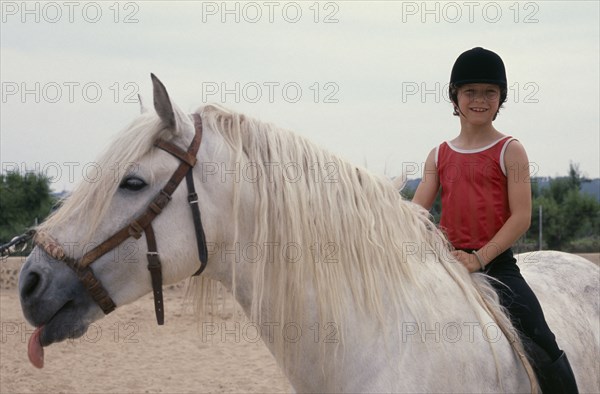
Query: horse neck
x=428, y=289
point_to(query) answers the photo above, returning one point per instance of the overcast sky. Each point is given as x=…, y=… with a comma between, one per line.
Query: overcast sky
x=366, y=80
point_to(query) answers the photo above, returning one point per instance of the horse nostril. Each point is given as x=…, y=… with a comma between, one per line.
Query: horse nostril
x=31, y=283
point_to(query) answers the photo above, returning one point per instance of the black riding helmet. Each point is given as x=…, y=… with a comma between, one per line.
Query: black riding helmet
x=477, y=65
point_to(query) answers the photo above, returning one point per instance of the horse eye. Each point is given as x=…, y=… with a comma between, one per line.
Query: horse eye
x=133, y=184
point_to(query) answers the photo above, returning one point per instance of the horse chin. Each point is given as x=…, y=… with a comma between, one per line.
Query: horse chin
x=71, y=321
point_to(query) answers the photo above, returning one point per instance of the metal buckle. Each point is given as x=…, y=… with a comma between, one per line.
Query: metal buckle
x=153, y=260
x=193, y=198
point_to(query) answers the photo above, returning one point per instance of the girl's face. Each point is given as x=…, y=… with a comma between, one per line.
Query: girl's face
x=478, y=102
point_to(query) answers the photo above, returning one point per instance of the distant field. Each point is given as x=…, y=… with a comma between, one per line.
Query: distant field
x=593, y=257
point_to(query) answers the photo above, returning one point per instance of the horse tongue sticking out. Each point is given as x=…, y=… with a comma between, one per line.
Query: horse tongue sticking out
x=35, y=351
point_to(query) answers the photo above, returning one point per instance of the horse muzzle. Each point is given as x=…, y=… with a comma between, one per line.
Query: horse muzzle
x=54, y=298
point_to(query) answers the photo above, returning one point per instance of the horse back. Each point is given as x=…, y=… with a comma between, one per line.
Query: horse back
x=567, y=287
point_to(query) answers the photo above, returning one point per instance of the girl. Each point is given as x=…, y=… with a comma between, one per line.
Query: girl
x=486, y=204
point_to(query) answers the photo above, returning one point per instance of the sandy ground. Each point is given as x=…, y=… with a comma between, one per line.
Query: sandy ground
x=126, y=352
x=593, y=257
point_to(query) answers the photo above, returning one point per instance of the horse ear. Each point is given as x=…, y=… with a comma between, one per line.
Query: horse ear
x=143, y=109
x=162, y=103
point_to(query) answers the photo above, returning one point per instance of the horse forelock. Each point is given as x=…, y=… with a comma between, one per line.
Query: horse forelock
x=87, y=205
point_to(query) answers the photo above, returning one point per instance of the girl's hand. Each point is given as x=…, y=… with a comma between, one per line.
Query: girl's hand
x=468, y=260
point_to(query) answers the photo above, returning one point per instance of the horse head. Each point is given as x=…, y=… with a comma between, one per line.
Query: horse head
x=54, y=285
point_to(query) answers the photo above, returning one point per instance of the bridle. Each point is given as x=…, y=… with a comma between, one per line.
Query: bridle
x=142, y=223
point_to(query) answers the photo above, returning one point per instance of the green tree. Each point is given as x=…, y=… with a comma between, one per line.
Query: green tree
x=23, y=199
x=553, y=231
x=568, y=214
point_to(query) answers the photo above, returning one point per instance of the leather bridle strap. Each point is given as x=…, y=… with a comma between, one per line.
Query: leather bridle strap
x=93, y=285
x=200, y=236
x=142, y=223
x=84, y=274
x=136, y=227
x=154, y=266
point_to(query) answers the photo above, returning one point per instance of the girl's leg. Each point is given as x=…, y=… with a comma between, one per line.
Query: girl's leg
x=554, y=372
x=522, y=304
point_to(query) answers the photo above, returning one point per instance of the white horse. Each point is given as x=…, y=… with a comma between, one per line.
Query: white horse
x=352, y=287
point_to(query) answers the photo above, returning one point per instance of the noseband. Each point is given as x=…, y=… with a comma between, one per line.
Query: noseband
x=142, y=223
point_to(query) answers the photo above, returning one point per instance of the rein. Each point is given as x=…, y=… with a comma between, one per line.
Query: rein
x=142, y=223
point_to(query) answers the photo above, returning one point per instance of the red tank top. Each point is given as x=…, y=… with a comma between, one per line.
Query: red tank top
x=474, y=192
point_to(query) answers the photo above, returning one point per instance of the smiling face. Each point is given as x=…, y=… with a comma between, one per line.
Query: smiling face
x=478, y=103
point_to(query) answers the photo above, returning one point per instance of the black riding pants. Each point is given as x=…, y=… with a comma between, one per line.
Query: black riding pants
x=523, y=306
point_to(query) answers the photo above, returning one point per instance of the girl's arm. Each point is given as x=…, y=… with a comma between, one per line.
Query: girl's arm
x=429, y=185
x=519, y=200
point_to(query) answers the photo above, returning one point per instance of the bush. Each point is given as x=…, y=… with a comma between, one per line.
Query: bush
x=24, y=199
x=583, y=245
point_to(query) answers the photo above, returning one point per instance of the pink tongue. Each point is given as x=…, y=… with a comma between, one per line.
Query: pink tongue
x=35, y=351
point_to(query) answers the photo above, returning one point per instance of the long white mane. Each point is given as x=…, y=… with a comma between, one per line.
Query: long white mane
x=357, y=236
